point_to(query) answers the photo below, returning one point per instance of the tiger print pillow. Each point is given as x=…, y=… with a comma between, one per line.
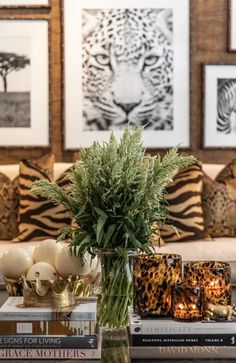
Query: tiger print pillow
x=184, y=206
x=39, y=218
x=219, y=202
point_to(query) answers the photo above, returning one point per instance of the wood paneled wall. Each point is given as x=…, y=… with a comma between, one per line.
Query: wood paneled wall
x=209, y=44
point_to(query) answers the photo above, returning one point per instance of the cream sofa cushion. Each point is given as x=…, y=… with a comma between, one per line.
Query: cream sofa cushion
x=219, y=249
x=212, y=169
x=12, y=170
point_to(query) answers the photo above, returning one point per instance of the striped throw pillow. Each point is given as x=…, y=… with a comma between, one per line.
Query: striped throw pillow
x=39, y=218
x=184, y=206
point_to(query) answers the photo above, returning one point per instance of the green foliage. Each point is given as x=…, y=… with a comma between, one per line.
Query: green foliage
x=115, y=194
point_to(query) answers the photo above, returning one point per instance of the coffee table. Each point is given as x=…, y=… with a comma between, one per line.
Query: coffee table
x=115, y=348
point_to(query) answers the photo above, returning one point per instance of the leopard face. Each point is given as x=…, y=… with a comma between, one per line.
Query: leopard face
x=127, y=76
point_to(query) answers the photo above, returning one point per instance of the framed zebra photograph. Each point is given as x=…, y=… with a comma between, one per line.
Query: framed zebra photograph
x=126, y=63
x=220, y=106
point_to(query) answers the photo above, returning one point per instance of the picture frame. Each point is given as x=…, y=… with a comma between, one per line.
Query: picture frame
x=232, y=26
x=25, y=3
x=219, y=99
x=155, y=96
x=24, y=95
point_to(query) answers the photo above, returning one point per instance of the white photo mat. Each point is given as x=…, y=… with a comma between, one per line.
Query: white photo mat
x=232, y=25
x=24, y=3
x=36, y=31
x=75, y=134
x=218, y=131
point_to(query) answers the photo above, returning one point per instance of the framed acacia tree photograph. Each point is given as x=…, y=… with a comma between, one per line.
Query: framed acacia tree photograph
x=24, y=3
x=126, y=63
x=24, y=79
x=220, y=106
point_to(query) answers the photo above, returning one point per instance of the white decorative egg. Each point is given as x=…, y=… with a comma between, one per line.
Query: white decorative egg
x=67, y=264
x=15, y=262
x=29, y=249
x=46, y=251
x=45, y=270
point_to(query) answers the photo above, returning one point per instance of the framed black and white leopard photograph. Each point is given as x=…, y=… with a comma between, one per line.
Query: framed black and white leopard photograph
x=220, y=106
x=126, y=65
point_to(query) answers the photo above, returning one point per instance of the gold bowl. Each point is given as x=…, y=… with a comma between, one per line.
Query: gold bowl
x=58, y=292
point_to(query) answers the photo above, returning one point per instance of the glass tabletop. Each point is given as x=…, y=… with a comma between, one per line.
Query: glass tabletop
x=115, y=349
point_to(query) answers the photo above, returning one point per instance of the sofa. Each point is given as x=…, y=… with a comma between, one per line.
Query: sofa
x=219, y=249
x=222, y=249
x=12, y=171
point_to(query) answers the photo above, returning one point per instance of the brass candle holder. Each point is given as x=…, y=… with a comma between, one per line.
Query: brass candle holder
x=187, y=302
x=214, y=277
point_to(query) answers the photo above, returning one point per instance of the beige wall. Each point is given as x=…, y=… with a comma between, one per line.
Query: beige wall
x=209, y=44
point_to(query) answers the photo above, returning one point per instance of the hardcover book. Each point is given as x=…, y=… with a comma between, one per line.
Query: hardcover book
x=69, y=354
x=146, y=340
x=48, y=342
x=192, y=352
x=172, y=327
x=13, y=309
x=51, y=327
x=52, y=353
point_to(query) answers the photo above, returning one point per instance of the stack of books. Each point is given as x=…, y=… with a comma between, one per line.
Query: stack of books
x=45, y=333
x=167, y=338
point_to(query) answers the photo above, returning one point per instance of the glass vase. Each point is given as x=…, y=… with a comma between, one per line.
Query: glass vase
x=115, y=346
x=214, y=277
x=116, y=291
x=187, y=302
x=154, y=276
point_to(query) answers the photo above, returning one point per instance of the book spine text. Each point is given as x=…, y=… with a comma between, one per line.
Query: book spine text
x=51, y=342
x=193, y=352
x=183, y=340
x=50, y=354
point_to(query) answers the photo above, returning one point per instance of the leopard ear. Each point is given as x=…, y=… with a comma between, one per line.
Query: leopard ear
x=89, y=23
x=164, y=22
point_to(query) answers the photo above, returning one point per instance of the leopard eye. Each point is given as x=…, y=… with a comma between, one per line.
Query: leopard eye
x=102, y=59
x=151, y=60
